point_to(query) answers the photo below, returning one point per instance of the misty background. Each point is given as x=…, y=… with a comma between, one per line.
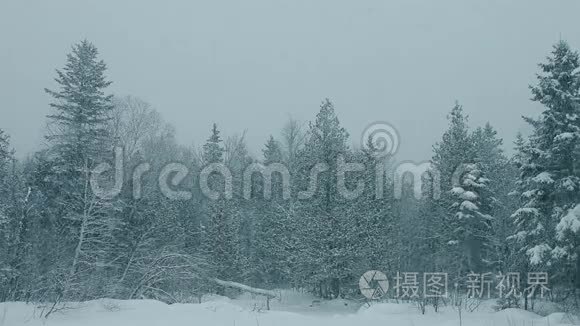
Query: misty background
x=251, y=64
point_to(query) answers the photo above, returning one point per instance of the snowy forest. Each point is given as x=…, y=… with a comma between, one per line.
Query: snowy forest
x=513, y=208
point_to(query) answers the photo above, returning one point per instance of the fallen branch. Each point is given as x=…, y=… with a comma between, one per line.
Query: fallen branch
x=267, y=293
x=243, y=287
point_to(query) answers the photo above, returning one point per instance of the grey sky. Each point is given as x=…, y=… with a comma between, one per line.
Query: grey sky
x=249, y=64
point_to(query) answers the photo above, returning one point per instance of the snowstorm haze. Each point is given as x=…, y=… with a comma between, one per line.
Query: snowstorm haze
x=302, y=162
x=252, y=64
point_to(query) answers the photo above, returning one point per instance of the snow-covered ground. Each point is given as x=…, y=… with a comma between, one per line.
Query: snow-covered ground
x=292, y=309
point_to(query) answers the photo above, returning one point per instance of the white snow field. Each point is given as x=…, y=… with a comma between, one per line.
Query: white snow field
x=290, y=311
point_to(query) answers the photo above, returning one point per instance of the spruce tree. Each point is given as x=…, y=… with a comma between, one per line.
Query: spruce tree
x=273, y=227
x=325, y=223
x=79, y=139
x=213, y=150
x=221, y=230
x=498, y=202
x=472, y=223
x=79, y=125
x=4, y=149
x=549, y=177
x=450, y=154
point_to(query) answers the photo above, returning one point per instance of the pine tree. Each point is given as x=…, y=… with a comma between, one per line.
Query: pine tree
x=6, y=221
x=272, y=151
x=373, y=226
x=5, y=160
x=502, y=174
x=450, y=154
x=222, y=240
x=212, y=150
x=4, y=149
x=80, y=130
x=455, y=148
x=325, y=223
x=221, y=230
x=79, y=139
x=549, y=178
x=472, y=223
x=273, y=235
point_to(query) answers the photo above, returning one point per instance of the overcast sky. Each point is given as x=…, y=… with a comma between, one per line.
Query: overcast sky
x=250, y=64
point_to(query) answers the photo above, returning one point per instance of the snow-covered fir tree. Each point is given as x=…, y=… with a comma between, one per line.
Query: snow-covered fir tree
x=324, y=224
x=499, y=204
x=471, y=222
x=79, y=139
x=449, y=155
x=274, y=226
x=79, y=124
x=549, y=177
x=61, y=242
x=221, y=229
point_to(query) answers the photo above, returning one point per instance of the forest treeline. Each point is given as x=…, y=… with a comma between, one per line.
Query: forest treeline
x=59, y=241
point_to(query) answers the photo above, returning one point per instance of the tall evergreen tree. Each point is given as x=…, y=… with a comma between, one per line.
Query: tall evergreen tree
x=79, y=139
x=472, y=223
x=325, y=224
x=221, y=230
x=79, y=125
x=454, y=149
x=549, y=176
x=274, y=228
x=213, y=150
x=450, y=154
x=4, y=149
x=498, y=202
